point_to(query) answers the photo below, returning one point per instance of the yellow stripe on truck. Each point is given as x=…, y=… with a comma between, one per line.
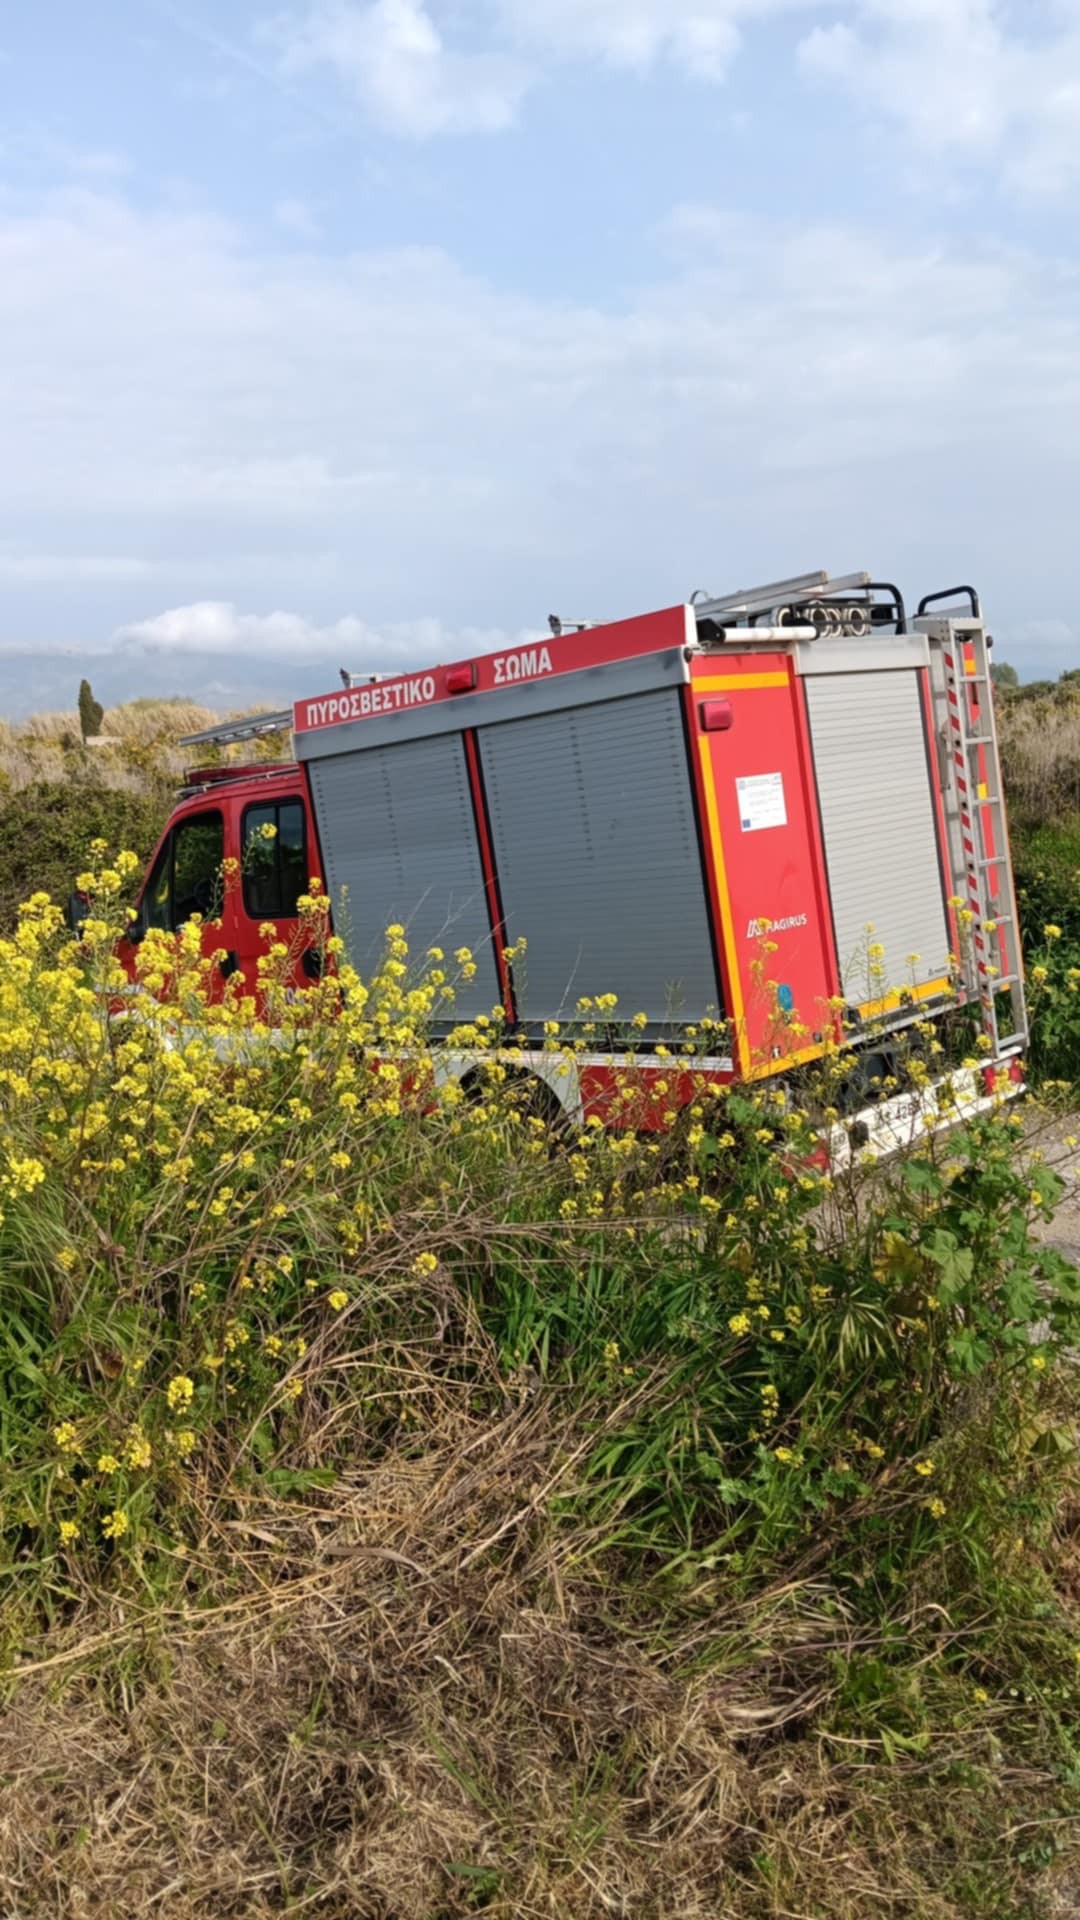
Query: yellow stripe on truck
x=930, y=990
x=727, y=925
x=727, y=682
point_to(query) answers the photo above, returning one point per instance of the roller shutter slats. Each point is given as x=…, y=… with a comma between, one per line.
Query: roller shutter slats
x=878, y=821
x=597, y=853
x=398, y=836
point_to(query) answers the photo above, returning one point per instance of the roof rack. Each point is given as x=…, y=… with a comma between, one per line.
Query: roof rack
x=205, y=779
x=250, y=728
x=846, y=604
x=778, y=593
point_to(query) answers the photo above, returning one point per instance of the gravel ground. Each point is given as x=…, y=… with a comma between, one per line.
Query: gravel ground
x=1049, y=1136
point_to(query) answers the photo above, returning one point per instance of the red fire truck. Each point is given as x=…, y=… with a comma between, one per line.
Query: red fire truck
x=715, y=812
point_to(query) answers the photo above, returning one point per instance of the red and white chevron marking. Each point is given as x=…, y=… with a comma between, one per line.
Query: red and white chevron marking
x=967, y=827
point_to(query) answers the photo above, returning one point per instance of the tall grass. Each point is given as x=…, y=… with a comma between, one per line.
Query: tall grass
x=408, y=1512
x=1040, y=744
x=140, y=746
x=56, y=793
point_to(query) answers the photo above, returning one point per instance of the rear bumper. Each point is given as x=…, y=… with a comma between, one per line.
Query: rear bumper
x=900, y=1123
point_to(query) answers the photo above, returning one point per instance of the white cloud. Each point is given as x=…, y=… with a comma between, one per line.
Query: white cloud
x=699, y=36
x=393, y=55
x=393, y=58
x=386, y=433
x=294, y=216
x=35, y=148
x=46, y=569
x=972, y=80
x=218, y=627
x=987, y=81
x=696, y=34
x=215, y=626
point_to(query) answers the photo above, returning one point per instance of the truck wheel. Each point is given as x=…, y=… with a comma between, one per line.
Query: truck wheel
x=535, y=1100
x=864, y=1085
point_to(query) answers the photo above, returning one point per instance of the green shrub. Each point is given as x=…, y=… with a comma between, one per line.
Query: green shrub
x=46, y=828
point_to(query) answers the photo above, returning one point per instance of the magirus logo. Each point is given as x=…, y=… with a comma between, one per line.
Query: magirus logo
x=759, y=928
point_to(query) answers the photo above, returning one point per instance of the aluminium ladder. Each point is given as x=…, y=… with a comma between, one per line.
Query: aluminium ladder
x=250, y=727
x=990, y=957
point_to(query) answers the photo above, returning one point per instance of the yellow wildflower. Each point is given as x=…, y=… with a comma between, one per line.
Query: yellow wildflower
x=180, y=1392
x=138, y=1452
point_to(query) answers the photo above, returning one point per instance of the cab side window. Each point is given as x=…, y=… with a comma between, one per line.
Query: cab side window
x=188, y=875
x=157, y=900
x=275, y=866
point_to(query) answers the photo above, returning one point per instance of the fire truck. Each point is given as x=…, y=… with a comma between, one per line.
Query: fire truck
x=774, y=817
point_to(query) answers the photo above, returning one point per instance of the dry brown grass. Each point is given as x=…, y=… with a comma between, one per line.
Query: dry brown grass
x=419, y=1699
x=143, y=746
x=1040, y=744
x=144, y=721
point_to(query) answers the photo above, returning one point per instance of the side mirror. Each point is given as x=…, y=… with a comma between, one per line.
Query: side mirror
x=76, y=911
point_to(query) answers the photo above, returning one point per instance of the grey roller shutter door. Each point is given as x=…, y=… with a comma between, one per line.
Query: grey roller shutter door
x=597, y=854
x=399, y=842
x=877, y=815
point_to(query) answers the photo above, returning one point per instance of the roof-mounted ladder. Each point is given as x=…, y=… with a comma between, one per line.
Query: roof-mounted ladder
x=250, y=728
x=798, y=591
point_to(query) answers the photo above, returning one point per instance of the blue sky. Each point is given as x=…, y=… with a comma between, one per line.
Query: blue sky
x=362, y=332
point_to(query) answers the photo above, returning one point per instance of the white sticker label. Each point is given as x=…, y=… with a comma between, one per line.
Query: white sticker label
x=761, y=801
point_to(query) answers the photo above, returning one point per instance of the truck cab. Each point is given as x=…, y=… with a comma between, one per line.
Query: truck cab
x=239, y=850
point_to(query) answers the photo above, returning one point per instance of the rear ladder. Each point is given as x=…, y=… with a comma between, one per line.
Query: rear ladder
x=982, y=875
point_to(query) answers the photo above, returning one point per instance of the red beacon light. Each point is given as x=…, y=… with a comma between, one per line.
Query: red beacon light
x=462, y=679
